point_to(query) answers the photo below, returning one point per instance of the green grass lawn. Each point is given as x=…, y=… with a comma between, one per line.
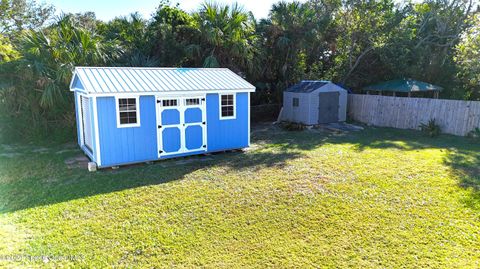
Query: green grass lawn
x=374, y=198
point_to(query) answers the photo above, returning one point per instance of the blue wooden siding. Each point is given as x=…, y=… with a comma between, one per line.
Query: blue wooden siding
x=130, y=144
x=231, y=133
x=138, y=144
x=77, y=84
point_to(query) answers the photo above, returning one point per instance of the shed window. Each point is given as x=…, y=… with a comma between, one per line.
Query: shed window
x=169, y=102
x=128, y=112
x=227, y=106
x=192, y=101
x=295, y=102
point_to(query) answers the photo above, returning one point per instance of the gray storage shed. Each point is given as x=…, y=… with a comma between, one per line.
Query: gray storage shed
x=313, y=102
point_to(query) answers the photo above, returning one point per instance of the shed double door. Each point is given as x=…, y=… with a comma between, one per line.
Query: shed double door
x=328, y=107
x=181, y=125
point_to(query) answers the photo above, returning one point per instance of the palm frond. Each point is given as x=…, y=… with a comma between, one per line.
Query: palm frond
x=210, y=62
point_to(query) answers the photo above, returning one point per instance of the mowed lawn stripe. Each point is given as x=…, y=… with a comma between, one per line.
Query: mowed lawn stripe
x=375, y=198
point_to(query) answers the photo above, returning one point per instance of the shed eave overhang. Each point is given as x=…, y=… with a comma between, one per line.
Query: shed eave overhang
x=142, y=80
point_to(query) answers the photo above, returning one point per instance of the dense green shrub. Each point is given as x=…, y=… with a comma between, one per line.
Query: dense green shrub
x=475, y=133
x=431, y=128
x=353, y=43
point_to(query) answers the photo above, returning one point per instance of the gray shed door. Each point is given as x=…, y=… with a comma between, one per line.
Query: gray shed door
x=328, y=107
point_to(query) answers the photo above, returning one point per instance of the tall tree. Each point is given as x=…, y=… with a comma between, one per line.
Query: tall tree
x=438, y=26
x=53, y=53
x=468, y=60
x=15, y=17
x=18, y=15
x=35, y=89
x=296, y=44
x=7, y=51
x=169, y=34
x=363, y=28
x=131, y=34
x=226, y=35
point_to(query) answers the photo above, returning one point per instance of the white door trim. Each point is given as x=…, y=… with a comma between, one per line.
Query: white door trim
x=181, y=107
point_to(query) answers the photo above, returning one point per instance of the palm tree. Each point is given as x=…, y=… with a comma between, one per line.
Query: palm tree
x=52, y=54
x=130, y=32
x=170, y=35
x=34, y=88
x=294, y=41
x=226, y=37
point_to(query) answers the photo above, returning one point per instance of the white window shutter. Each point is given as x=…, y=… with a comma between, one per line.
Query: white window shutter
x=87, y=122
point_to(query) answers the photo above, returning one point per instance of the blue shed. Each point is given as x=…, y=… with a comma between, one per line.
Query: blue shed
x=129, y=115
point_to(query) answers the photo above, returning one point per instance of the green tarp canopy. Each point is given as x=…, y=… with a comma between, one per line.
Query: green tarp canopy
x=403, y=85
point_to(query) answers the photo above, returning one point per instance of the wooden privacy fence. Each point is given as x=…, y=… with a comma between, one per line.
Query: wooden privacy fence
x=267, y=112
x=454, y=116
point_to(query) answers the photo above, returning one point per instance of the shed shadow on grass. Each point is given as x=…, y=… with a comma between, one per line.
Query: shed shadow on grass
x=272, y=147
x=33, y=190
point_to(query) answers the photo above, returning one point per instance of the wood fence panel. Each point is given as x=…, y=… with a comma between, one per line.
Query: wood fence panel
x=454, y=116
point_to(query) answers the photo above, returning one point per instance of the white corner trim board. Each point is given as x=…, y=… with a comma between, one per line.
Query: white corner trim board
x=248, y=104
x=80, y=118
x=97, y=134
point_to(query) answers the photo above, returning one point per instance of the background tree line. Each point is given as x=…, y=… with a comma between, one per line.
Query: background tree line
x=351, y=42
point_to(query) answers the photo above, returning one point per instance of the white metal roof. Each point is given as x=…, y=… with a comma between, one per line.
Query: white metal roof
x=106, y=80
